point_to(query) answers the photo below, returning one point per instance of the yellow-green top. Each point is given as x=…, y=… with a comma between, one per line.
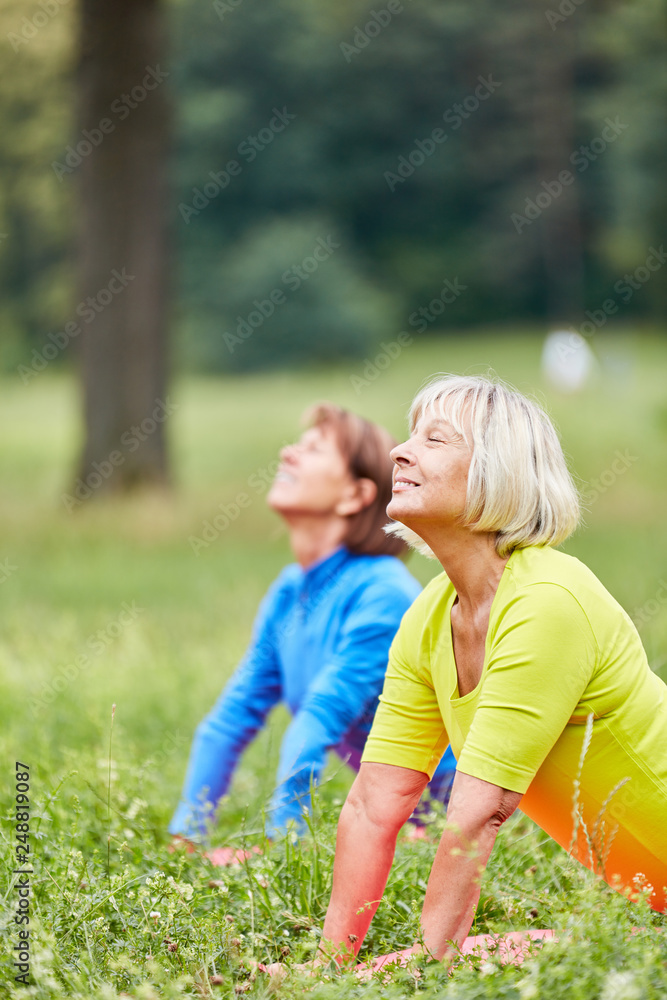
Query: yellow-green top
x=558, y=648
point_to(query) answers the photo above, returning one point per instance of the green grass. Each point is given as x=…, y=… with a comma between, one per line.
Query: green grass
x=92, y=933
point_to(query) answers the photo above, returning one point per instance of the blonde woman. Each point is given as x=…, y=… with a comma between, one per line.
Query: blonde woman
x=505, y=656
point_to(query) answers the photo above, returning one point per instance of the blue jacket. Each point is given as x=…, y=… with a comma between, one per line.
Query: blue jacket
x=320, y=643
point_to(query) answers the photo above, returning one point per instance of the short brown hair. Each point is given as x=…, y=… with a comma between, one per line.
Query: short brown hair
x=365, y=446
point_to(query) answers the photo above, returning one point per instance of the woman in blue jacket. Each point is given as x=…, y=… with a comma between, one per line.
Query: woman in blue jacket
x=321, y=638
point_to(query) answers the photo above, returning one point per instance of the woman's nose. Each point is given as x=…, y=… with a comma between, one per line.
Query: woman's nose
x=401, y=454
x=288, y=453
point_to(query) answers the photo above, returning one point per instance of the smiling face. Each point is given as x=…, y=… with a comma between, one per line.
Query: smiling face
x=313, y=477
x=430, y=475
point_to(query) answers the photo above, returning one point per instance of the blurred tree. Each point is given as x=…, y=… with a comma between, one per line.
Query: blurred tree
x=290, y=289
x=120, y=153
x=367, y=90
x=35, y=207
x=363, y=92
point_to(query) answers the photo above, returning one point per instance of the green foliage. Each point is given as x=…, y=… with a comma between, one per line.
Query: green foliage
x=35, y=207
x=158, y=925
x=359, y=106
x=289, y=290
x=362, y=100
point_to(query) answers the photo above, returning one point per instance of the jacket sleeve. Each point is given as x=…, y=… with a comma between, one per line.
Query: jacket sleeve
x=408, y=728
x=235, y=719
x=344, y=691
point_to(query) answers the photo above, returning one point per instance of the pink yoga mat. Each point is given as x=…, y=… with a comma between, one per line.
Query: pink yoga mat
x=510, y=948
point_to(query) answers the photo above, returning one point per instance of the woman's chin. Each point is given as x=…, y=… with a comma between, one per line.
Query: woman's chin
x=281, y=497
x=399, y=510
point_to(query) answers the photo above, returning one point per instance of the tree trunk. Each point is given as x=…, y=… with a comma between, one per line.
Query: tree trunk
x=122, y=139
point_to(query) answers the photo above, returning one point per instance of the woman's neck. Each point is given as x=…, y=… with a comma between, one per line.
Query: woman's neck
x=314, y=538
x=472, y=564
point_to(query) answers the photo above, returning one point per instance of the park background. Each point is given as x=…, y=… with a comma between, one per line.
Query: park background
x=132, y=581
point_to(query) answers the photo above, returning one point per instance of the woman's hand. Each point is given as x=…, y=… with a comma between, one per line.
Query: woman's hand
x=225, y=857
x=509, y=949
x=279, y=971
x=219, y=856
x=181, y=843
x=402, y=958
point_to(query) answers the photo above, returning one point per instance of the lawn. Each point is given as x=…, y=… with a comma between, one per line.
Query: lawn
x=138, y=604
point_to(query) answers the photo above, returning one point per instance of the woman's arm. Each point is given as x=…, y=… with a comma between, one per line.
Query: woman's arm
x=477, y=810
x=379, y=803
x=234, y=720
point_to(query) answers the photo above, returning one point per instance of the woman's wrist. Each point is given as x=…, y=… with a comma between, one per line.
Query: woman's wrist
x=329, y=953
x=178, y=841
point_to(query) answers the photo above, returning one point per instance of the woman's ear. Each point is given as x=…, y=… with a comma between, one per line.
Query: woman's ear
x=362, y=493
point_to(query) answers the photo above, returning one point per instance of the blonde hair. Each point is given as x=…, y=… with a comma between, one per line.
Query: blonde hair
x=519, y=486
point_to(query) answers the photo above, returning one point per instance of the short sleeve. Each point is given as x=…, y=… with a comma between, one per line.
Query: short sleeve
x=542, y=657
x=408, y=729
